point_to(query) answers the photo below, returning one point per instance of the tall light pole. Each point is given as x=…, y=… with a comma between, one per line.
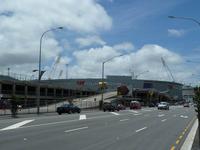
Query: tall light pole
x=197, y=99
x=39, y=67
x=102, y=78
x=185, y=18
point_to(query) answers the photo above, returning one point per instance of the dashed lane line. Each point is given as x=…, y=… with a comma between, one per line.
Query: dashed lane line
x=17, y=125
x=123, y=120
x=163, y=120
x=114, y=113
x=141, y=129
x=77, y=129
x=161, y=115
x=82, y=117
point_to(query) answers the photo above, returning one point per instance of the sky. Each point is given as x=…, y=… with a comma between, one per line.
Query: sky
x=96, y=30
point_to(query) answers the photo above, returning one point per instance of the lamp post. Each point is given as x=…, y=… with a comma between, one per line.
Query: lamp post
x=39, y=67
x=102, y=79
x=185, y=18
x=197, y=97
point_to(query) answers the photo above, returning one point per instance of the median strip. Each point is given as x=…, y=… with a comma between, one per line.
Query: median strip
x=77, y=129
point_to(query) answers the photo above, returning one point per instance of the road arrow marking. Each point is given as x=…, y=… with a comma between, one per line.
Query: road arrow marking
x=17, y=125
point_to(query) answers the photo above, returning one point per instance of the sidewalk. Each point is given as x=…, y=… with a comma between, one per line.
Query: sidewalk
x=195, y=145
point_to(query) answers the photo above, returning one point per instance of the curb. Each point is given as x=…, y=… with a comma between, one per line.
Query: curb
x=187, y=145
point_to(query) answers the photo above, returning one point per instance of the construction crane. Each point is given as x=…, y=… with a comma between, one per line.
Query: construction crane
x=54, y=67
x=168, y=71
x=60, y=74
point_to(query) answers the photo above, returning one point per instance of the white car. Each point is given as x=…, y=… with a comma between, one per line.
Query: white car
x=163, y=105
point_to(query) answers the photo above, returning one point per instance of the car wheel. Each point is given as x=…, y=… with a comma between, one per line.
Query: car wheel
x=104, y=110
x=59, y=113
x=79, y=111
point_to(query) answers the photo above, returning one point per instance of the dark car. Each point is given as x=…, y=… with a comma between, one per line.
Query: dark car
x=68, y=108
x=152, y=105
x=110, y=107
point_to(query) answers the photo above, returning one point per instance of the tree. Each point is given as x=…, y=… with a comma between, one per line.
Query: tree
x=197, y=102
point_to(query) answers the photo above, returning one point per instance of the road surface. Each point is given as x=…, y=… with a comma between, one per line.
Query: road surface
x=144, y=129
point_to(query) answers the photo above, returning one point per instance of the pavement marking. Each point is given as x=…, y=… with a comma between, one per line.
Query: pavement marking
x=146, y=110
x=183, y=116
x=161, y=115
x=133, y=111
x=82, y=117
x=114, y=113
x=137, y=114
x=190, y=137
x=177, y=142
x=163, y=120
x=180, y=137
x=17, y=125
x=67, y=131
x=172, y=148
x=124, y=120
x=141, y=129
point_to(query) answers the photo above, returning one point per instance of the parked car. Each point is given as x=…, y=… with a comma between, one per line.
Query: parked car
x=163, y=105
x=68, y=108
x=135, y=105
x=107, y=106
x=121, y=107
x=186, y=105
x=152, y=105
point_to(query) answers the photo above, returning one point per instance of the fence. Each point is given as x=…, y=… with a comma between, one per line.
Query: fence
x=46, y=106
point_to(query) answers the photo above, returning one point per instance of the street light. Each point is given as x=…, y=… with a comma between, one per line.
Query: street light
x=185, y=18
x=40, y=73
x=102, y=79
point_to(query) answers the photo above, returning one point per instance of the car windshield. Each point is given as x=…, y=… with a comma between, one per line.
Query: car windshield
x=99, y=74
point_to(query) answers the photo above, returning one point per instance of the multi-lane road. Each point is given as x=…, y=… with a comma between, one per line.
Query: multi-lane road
x=146, y=129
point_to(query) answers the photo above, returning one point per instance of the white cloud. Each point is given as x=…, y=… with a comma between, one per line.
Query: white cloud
x=175, y=32
x=90, y=40
x=146, y=58
x=20, y=31
x=126, y=46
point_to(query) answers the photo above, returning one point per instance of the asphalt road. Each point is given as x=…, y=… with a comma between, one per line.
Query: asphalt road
x=146, y=129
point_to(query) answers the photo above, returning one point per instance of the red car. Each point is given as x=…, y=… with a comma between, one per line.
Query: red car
x=135, y=105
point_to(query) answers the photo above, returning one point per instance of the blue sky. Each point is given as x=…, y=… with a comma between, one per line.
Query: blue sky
x=146, y=21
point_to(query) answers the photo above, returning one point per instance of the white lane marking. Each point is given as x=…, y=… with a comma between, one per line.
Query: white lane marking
x=133, y=111
x=183, y=116
x=147, y=110
x=82, y=117
x=114, y=113
x=137, y=114
x=190, y=137
x=67, y=131
x=123, y=119
x=161, y=115
x=163, y=120
x=141, y=129
x=17, y=125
